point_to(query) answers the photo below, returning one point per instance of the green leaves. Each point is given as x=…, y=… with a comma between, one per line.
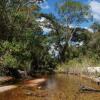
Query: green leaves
x=9, y=61
x=73, y=12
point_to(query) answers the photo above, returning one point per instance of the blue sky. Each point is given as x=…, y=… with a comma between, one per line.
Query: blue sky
x=49, y=7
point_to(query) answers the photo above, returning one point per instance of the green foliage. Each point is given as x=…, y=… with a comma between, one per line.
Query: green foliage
x=22, y=43
x=9, y=61
x=94, y=43
x=96, y=27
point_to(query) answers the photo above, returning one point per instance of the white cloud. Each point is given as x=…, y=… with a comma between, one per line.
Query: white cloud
x=53, y=51
x=46, y=30
x=44, y=5
x=89, y=29
x=95, y=7
x=41, y=19
x=43, y=24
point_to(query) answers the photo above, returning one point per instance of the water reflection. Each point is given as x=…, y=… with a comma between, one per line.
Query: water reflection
x=51, y=83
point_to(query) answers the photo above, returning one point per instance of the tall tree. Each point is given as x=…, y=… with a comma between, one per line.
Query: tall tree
x=72, y=13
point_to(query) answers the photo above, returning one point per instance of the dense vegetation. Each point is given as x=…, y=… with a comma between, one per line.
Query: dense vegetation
x=24, y=46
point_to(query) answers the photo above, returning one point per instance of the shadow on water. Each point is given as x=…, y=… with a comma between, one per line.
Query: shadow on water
x=57, y=87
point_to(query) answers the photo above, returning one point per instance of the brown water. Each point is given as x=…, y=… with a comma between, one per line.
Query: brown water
x=57, y=87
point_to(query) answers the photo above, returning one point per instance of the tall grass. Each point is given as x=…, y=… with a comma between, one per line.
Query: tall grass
x=78, y=63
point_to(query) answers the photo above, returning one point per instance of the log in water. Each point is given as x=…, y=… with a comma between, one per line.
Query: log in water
x=88, y=89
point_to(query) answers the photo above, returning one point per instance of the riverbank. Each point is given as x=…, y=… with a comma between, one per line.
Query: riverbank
x=5, y=78
x=89, y=73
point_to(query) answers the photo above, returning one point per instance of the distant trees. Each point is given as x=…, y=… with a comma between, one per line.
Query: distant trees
x=96, y=27
x=94, y=43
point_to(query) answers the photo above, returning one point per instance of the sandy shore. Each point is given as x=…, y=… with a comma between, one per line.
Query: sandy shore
x=25, y=83
x=6, y=88
x=33, y=83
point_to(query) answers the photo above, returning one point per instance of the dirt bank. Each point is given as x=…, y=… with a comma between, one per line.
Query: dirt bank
x=5, y=78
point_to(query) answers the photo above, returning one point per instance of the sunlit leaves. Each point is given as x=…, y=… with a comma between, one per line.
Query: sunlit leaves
x=9, y=61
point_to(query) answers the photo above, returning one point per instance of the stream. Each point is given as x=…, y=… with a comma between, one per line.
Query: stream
x=57, y=87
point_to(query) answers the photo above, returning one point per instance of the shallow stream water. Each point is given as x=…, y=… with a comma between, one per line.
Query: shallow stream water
x=57, y=87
